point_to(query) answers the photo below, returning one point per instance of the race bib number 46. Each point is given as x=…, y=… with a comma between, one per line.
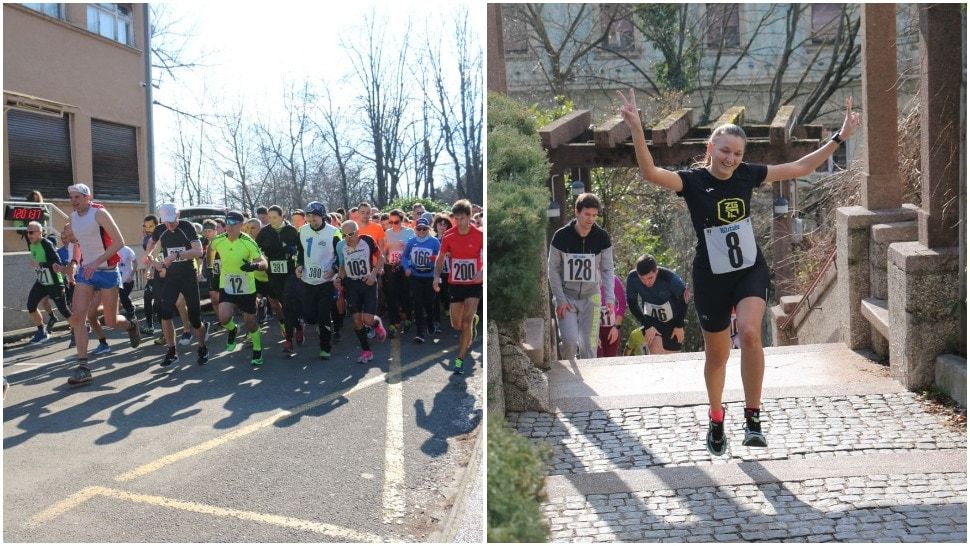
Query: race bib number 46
x=662, y=313
x=236, y=284
x=579, y=268
x=464, y=270
x=731, y=247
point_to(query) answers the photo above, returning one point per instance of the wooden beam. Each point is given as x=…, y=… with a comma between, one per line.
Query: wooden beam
x=734, y=115
x=611, y=132
x=782, y=125
x=565, y=128
x=673, y=127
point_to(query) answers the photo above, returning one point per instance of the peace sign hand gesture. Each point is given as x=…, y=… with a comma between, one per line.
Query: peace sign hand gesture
x=852, y=120
x=628, y=109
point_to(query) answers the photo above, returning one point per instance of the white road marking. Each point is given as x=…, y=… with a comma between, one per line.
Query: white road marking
x=394, y=443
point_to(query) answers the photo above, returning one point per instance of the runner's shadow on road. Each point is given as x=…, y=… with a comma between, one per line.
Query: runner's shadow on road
x=453, y=414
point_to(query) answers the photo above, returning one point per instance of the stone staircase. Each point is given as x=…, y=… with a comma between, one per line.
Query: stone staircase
x=852, y=455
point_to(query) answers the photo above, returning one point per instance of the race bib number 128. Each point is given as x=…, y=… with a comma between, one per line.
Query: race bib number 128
x=579, y=268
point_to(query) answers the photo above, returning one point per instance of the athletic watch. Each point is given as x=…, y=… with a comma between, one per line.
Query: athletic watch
x=836, y=137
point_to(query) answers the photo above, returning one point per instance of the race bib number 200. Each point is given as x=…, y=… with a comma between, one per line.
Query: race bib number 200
x=464, y=270
x=580, y=268
x=731, y=247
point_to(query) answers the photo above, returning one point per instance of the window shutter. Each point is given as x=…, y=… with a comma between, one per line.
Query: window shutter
x=39, y=152
x=114, y=157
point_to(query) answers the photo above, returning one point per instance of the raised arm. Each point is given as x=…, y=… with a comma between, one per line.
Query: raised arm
x=808, y=163
x=650, y=172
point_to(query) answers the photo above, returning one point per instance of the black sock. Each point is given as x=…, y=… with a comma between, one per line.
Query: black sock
x=752, y=413
x=41, y=328
x=82, y=363
x=103, y=340
x=362, y=336
x=171, y=351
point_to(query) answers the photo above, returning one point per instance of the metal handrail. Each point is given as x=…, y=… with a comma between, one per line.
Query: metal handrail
x=49, y=207
x=818, y=279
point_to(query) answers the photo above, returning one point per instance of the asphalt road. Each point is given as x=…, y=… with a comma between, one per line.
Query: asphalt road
x=300, y=450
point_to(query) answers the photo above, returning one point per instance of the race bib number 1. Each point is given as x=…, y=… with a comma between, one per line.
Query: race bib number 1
x=236, y=284
x=579, y=268
x=278, y=267
x=464, y=270
x=731, y=247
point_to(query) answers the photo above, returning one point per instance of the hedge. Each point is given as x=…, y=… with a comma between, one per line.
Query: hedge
x=515, y=486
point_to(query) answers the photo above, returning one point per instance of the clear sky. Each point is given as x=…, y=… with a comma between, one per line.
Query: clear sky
x=251, y=49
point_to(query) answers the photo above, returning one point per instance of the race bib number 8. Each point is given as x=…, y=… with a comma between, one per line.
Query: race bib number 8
x=731, y=247
x=278, y=267
x=579, y=268
x=236, y=284
x=357, y=269
x=662, y=313
x=421, y=258
x=464, y=270
x=44, y=276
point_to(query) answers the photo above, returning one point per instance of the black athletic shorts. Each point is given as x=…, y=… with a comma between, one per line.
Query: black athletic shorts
x=167, y=292
x=360, y=297
x=670, y=343
x=277, y=286
x=245, y=302
x=213, y=280
x=458, y=293
x=716, y=295
x=262, y=288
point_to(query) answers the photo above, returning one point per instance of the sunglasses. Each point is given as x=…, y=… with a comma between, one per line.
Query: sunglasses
x=351, y=234
x=393, y=223
x=421, y=228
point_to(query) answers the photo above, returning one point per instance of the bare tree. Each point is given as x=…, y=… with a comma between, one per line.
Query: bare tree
x=333, y=133
x=188, y=157
x=236, y=155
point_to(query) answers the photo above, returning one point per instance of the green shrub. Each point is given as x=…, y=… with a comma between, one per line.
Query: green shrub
x=514, y=156
x=516, y=248
x=406, y=203
x=506, y=112
x=515, y=485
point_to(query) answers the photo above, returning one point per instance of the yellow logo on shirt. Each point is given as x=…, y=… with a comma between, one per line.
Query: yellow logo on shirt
x=731, y=210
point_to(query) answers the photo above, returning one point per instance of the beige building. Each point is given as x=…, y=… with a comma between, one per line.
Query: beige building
x=74, y=109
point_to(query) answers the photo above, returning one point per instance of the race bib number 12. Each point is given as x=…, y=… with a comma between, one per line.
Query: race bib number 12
x=731, y=247
x=236, y=284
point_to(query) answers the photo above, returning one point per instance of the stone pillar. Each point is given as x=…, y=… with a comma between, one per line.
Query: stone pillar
x=496, y=50
x=923, y=285
x=853, y=234
x=940, y=78
x=781, y=243
x=493, y=370
x=881, y=188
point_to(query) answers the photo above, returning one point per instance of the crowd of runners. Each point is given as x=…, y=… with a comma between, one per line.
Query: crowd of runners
x=380, y=274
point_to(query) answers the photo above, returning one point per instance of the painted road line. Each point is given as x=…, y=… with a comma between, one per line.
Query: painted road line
x=394, y=443
x=64, y=506
x=259, y=425
x=341, y=533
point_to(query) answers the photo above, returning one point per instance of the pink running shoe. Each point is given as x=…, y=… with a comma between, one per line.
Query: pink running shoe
x=369, y=355
x=380, y=331
x=363, y=357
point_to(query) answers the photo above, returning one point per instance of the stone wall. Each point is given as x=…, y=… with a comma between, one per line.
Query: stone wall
x=525, y=387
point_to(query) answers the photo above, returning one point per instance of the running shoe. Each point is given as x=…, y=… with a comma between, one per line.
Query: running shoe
x=380, y=331
x=436, y=328
x=324, y=354
x=419, y=338
x=365, y=357
x=170, y=358
x=298, y=334
x=716, y=440
x=51, y=321
x=203, y=355
x=160, y=340
x=206, y=331
x=257, y=360
x=752, y=432
x=134, y=336
x=459, y=366
x=73, y=343
x=392, y=331
x=288, y=347
x=185, y=339
x=81, y=376
x=231, y=339
x=475, y=328
x=40, y=337
x=101, y=349
x=147, y=330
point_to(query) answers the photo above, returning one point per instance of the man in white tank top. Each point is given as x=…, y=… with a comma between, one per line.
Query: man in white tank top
x=100, y=241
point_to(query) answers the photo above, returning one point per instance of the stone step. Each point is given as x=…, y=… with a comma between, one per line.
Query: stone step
x=534, y=341
x=800, y=370
x=876, y=312
x=796, y=429
x=951, y=377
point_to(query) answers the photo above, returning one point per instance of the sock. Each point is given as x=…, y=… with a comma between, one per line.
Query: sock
x=717, y=416
x=171, y=350
x=362, y=337
x=83, y=363
x=41, y=328
x=752, y=413
x=103, y=341
x=257, y=338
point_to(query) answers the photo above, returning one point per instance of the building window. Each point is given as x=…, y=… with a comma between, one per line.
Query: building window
x=515, y=35
x=39, y=152
x=113, y=21
x=50, y=10
x=616, y=24
x=722, y=20
x=114, y=158
x=825, y=22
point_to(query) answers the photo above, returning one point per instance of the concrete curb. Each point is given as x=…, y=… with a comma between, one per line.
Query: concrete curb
x=756, y=472
x=449, y=529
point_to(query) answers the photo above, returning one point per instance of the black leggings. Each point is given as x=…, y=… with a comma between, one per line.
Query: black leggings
x=55, y=292
x=425, y=302
x=172, y=286
x=150, y=300
x=124, y=295
x=398, y=295
x=318, y=307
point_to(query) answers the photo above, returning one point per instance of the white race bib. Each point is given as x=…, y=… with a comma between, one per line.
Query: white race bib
x=175, y=249
x=579, y=268
x=313, y=273
x=731, y=247
x=394, y=257
x=421, y=259
x=216, y=265
x=357, y=269
x=278, y=267
x=661, y=313
x=236, y=284
x=44, y=276
x=464, y=271
x=607, y=318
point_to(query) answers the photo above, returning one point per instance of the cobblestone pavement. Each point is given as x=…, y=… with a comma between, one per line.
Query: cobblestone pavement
x=796, y=428
x=884, y=508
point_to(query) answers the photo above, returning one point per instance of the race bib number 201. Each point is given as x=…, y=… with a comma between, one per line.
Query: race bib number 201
x=580, y=268
x=731, y=247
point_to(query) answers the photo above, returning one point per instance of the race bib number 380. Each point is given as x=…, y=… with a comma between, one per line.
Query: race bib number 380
x=579, y=268
x=731, y=247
